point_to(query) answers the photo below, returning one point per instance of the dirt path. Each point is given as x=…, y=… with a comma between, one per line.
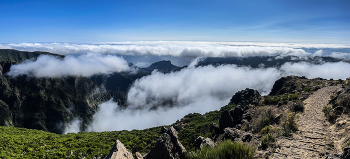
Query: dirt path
x=311, y=141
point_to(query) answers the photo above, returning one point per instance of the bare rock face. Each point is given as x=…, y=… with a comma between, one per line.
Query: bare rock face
x=344, y=155
x=245, y=97
x=167, y=147
x=6, y=65
x=201, y=142
x=286, y=84
x=237, y=135
x=226, y=120
x=138, y=155
x=163, y=130
x=119, y=152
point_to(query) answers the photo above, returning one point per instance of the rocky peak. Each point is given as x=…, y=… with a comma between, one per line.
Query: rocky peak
x=167, y=147
x=285, y=85
x=119, y=151
x=245, y=97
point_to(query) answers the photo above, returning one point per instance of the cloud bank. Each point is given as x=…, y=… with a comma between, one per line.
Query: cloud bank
x=176, y=48
x=82, y=65
x=198, y=89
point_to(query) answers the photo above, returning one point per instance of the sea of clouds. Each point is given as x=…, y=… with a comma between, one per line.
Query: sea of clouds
x=193, y=89
x=196, y=90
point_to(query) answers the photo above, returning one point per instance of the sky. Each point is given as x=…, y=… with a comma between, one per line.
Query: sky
x=90, y=21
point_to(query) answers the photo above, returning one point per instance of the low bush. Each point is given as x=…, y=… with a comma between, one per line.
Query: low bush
x=266, y=140
x=289, y=124
x=298, y=107
x=330, y=116
x=226, y=150
x=262, y=117
x=265, y=130
x=308, y=89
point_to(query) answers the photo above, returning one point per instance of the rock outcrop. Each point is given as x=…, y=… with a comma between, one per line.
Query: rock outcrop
x=226, y=120
x=237, y=135
x=201, y=142
x=138, y=155
x=344, y=155
x=286, y=85
x=167, y=147
x=245, y=97
x=118, y=151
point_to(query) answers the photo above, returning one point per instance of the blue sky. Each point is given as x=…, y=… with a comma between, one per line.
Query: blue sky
x=307, y=21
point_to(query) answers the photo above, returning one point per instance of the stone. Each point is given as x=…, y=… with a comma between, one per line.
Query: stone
x=338, y=109
x=226, y=120
x=216, y=128
x=346, y=153
x=236, y=115
x=167, y=147
x=200, y=142
x=138, y=155
x=118, y=151
x=245, y=97
x=237, y=135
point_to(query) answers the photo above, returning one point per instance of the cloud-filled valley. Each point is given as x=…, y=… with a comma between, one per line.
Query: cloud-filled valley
x=162, y=98
x=199, y=90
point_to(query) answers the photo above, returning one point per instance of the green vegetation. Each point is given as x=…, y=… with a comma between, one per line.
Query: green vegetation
x=273, y=100
x=262, y=117
x=226, y=150
x=289, y=125
x=298, y=107
x=308, y=89
x=265, y=130
x=20, y=56
x=27, y=143
x=199, y=125
x=330, y=116
x=266, y=140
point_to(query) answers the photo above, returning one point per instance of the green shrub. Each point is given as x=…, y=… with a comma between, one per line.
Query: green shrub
x=226, y=150
x=266, y=140
x=262, y=117
x=330, y=116
x=298, y=107
x=288, y=124
x=271, y=100
x=265, y=130
x=308, y=89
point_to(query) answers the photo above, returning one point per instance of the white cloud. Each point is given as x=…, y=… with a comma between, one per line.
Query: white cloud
x=340, y=55
x=200, y=90
x=82, y=65
x=176, y=48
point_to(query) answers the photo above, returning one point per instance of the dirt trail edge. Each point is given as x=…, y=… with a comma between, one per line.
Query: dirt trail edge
x=311, y=141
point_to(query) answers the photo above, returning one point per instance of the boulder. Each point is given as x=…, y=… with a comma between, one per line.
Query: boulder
x=245, y=97
x=344, y=155
x=285, y=85
x=216, y=128
x=138, y=155
x=236, y=115
x=226, y=120
x=200, y=142
x=167, y=147
x=118, y=151
x=237, y=135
